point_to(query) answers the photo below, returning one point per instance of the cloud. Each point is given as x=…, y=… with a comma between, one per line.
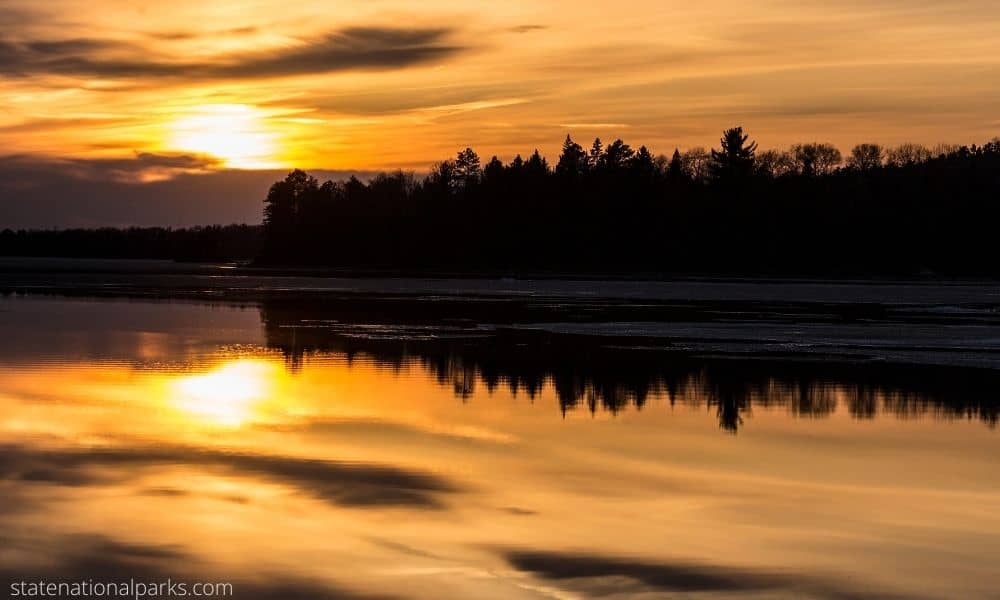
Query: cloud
x=422, y=99
x=146, y=190
x=143, y=167
x=596, y=572
x=191, y=35
x=521, y=512
x=370, y=48
x=340, y=483
x=528, y=28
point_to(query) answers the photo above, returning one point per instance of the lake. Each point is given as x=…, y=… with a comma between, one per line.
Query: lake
x=337, y=438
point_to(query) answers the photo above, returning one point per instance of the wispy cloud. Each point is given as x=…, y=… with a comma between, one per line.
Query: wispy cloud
x=371, y=48
x=527, y=28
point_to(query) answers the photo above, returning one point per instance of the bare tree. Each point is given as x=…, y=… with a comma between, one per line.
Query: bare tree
x=696, y=163
x=816, y=158
x=866, y=157
x=944, y=149
x=775, y=163
x=907, y=154
x=444, y=177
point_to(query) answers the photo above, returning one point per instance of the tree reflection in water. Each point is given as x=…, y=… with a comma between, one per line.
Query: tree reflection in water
x=611, y=374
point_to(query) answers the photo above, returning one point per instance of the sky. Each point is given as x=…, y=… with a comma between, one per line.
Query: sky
x=182, y=112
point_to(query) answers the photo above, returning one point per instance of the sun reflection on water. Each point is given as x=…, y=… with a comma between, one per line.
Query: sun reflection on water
x=229, y=395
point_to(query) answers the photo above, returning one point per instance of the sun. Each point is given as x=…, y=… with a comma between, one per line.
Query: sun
x=236, y=134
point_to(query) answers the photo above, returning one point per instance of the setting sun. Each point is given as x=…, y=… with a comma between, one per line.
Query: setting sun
x=234, y=133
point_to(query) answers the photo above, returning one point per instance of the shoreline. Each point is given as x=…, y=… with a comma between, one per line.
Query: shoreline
x=59, y=264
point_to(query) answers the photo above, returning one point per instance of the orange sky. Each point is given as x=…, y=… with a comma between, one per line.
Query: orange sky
x=140, y=91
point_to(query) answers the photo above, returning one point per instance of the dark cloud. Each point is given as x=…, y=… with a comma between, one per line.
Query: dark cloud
x=178, y=493
x=600, y=574
x=521, y=512
x=141, y=167
x=39, y=192
x=341, y=50
x=526, y=28
x=340, y=483
x=192, y=35
x=352, y=48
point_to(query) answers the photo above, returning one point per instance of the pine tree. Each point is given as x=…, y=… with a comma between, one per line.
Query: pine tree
x=467, y=167
x=573, y=160
x=735, y=159
x=675, y=170
x=618, y=155
x=596, y=157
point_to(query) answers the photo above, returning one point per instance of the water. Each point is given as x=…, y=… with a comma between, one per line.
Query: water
x=376, y=446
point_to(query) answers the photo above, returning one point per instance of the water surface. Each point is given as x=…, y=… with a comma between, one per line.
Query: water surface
x=301, y=451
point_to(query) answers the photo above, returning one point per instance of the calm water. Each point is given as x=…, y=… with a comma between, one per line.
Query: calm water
x=302, y=455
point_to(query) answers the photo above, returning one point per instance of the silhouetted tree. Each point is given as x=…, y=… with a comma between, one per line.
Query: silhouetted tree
x=643, y=163
x=776, y=163
x=697, y=163
x=907, y=154
x=467, y=167
x=283, y=206
x=536, y=164
x=675, y=169
x=865, y=157
x=816, y=159
x=940, y=150
x=444, y=177
x=493, y=171
x=596, y=155
x=572, y=160
x=617, y=156
x=735, y=157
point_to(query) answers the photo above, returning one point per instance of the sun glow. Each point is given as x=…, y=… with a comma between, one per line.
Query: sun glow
x=227, y=396
x=236, y=134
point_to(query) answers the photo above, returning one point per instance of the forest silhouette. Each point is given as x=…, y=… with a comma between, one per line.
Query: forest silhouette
x=212, y=243
x=611, y=210
x=616, y=210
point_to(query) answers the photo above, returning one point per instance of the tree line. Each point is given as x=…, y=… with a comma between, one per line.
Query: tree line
x=611, y=210
x=211, y=243
x=615, y=210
